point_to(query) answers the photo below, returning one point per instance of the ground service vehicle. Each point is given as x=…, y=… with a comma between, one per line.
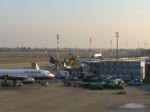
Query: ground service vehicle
x=63, y=74
x=135, y=82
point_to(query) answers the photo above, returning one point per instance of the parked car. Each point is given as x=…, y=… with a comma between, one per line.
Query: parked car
x=135, y=82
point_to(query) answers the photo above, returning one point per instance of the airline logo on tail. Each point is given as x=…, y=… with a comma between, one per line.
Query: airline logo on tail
x=72, y=59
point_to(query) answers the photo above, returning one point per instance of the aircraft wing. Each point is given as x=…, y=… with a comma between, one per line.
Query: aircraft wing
x=13, y=77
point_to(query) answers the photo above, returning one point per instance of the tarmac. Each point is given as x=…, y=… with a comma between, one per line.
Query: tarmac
x=58, y=98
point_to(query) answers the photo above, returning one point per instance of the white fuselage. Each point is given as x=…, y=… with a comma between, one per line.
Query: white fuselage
x=21, y=74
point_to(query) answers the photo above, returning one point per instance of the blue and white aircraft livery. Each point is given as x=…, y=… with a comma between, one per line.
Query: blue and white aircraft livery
x=25, y=75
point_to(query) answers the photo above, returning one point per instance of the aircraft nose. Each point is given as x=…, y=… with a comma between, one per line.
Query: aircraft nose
x=51, y=75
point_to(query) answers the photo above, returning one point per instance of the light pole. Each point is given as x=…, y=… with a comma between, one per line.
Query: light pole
x=57, y=51
x=90, y=55
x=90, y=49
x=110, y=49
x=126, y=48
x=138, y=45
x=117, y=36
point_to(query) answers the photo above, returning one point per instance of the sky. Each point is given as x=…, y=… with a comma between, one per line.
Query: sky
x=35, y=23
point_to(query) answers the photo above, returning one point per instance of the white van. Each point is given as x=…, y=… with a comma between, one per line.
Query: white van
x=63, y=74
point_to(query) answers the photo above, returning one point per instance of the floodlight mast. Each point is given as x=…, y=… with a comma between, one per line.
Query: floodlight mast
x=57, y=51
x=110, y=49
x=90, y=49
x=117, y=36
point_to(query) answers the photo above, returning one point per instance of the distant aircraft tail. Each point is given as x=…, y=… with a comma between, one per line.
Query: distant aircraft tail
x=35, y=66
x=64, y=63
x=72, y=59
x=52, y=60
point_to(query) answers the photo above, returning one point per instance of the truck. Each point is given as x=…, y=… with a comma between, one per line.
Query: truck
x=135, y=82
x=63, y=74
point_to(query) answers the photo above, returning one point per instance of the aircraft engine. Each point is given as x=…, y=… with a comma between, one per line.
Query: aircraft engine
x=28, y=80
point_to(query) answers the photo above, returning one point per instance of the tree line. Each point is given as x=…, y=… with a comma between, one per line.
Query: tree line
x=105, y=52
x=26, y=49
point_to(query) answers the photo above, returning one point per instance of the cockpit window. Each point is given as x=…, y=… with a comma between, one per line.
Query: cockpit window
x=48, y=72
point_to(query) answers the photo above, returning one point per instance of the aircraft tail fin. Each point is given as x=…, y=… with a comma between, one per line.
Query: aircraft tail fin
x=64, y=63
x=72, y=59
x=35, y=66
x=52, y=60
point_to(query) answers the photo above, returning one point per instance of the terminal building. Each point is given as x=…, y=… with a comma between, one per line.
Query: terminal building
x=124, y=69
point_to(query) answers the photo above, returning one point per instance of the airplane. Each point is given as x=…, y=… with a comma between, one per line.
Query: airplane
x=95, y=57
x=98, y=55
x=25, y=75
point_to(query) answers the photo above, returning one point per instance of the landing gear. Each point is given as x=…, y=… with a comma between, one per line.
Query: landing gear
x=5, y=82
x=44, y=83
x=17, y=83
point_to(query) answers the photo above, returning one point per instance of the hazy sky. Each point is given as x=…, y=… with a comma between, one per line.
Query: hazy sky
x=35, y=23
